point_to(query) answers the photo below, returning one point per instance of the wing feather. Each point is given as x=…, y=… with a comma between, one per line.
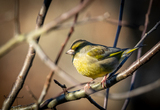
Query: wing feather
x=101, y=52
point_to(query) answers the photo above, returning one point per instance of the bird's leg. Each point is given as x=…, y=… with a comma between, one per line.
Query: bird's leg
x=104, y=80
x=87, y=86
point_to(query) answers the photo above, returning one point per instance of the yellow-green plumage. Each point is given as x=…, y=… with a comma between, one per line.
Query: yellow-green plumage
x=94, y=60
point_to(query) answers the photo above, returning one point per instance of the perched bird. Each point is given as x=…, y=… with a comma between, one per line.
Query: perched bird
x=95, y=60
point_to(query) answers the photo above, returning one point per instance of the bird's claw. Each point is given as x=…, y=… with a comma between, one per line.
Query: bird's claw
x=104, y=81
x=87, y=86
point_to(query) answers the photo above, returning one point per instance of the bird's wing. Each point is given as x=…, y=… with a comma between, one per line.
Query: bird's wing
x=102, y=52
x=116, y=51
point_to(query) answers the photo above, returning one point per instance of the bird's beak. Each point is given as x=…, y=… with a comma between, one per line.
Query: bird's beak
x=70, y=52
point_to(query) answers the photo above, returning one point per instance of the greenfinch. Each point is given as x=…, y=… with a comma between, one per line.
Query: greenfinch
x=95, y=60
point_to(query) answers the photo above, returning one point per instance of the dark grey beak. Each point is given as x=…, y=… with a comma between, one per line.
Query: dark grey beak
x=70, y=52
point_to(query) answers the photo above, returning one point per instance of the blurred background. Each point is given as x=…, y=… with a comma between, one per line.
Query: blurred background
x=96, y=32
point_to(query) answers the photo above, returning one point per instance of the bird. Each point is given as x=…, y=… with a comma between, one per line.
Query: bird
x=96, y=60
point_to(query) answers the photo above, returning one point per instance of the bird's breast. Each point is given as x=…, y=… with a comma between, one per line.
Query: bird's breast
x=93, y=68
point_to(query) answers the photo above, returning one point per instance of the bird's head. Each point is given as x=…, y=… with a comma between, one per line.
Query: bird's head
x=76, y=46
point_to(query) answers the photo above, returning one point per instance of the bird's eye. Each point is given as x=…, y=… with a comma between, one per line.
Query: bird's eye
x=77, y=48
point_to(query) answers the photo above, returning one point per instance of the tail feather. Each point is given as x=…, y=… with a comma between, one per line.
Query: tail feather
x=128, y=51
x=131, y=50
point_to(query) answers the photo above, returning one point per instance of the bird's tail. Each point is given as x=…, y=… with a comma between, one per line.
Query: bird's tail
x=129, y=51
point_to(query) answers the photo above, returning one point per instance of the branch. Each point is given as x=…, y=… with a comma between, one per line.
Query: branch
x=137, y=45
x=94, y=103
x=27, y=64
x=87, y=20
x=51, y=64
x=78, y=94
x=136, y=92
x=104, y=17
x=46, y=28
x=49, y=77
x=64, y=88
x=146, y=34
x=138, y=54
x=119, y=22
x=45, y=87
x=16, y=18
x=31, y=94
x=34, y=35
x=114, y=45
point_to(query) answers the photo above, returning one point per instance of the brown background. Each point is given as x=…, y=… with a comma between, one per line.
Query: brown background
x=97, y=32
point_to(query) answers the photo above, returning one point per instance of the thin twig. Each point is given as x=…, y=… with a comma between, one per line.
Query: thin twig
x=146, y=34
x=25, y=69
x=39, y=22
x=139, y=62
x=137, y=45
x=49, y=77
x=86, y=20
x=16, y=18
x=46, y=28
x=51, y=64
x=114, y=45
x=69, y=88
x=31, y=94
x=45, y=87
x=119, y=22
x=62, y=86
x=94, y=103
x=104, y=18
x=136, y=92
x=44, y=57
x=138, y=54
x=68, y=37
